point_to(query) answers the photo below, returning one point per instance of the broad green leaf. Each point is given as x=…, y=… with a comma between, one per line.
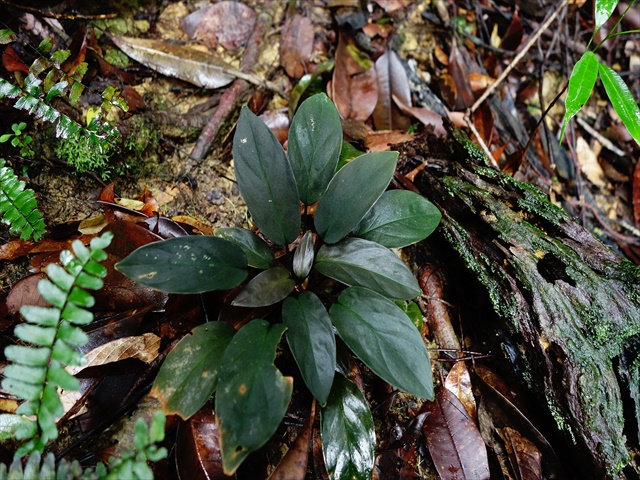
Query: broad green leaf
x=352, y=192
x=399, y=218
x=265, y=179
x=315, y=140
x=258, y=252
x=193, y=264
x=385, y=339
x=622, y=100
x=266, y=288
x=312, y=342
x=348, y=433
x=304, y=256
x=358, y=262
x=348, y=153
x=252, y=395
x=189, y=375
x=583, y=78
x=603, y=10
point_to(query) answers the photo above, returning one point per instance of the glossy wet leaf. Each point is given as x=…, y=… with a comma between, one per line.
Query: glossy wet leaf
x=315, y=140
x=265, y=179
x=399, y=218
x=622, y=100
x=258, y=252
x=189, y=375
x=266, y=288
x=385, y=339
x=312, y=342
x=304, y=256
x=252, y=395
x=454, y=441
x=348, y=434
x=352, y=192
x=583, y=78
x=359, y=262
x=603, y=10
x=193, y=264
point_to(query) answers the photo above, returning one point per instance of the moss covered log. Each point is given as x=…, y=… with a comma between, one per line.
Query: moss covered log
x=570, y=305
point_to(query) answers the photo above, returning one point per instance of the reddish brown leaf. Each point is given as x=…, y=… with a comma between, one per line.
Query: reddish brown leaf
x=435, y=308
x=458, y=382
x=459, y=72
x=293, y=465
x=296, y=45
x=380, y=141
x=454, y=441
x=392, y=82
x=133, y=99
x=483, y=121
x=25, y=292
x=78, y=50
x=17, y=248
x=425, y=116
x=636, y=193
x=198, y=447
x=278, y=121
x=392, y=5
x=354, y=88
x=12, y=62
x=525, y=458
x=513, y=36
x=228, y=23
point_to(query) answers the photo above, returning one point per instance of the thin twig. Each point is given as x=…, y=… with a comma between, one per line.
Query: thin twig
x=518, y=57
x=64, y=16
x=608, y=144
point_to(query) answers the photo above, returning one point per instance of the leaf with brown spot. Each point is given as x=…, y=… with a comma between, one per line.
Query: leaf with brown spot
x=455, y=444
x=354, y=89
x=296, y=45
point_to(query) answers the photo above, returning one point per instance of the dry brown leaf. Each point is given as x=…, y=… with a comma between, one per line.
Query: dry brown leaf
x=392, y=82
x=296, y=45
x=588, y=160
x=228, y=23
x=354, y=89
x=425, y=116
x=181, y=61
x=458, y=382
x=379, y=141
x=525, y=457
x=143, y=347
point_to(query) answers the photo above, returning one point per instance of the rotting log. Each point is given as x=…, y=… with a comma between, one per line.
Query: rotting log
x=570, y=305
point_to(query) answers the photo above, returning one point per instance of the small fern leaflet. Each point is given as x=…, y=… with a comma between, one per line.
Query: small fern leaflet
x=37, y=370
x=18, y=206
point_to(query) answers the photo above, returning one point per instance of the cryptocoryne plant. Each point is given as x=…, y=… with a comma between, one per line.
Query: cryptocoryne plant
x=18, y=206
x=332, y=269
x=587, y=70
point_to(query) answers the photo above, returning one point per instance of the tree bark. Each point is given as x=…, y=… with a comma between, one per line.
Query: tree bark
x=569, y=306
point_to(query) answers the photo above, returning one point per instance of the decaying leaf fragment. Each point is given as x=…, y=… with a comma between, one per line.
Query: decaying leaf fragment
x=180, y=61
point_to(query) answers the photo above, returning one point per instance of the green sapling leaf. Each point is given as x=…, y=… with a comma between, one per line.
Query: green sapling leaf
x=266, y=288
x=622, y=100
x=304, y=256
x=583, y=78
x=603, y=10
x=258, y=252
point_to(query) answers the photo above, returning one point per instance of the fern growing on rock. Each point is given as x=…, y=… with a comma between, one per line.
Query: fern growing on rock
x=18, y=206
x=50, y=334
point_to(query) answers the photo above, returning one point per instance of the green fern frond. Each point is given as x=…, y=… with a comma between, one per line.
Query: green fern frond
x=37, y=370
x=132, y=465
x=18, y=206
